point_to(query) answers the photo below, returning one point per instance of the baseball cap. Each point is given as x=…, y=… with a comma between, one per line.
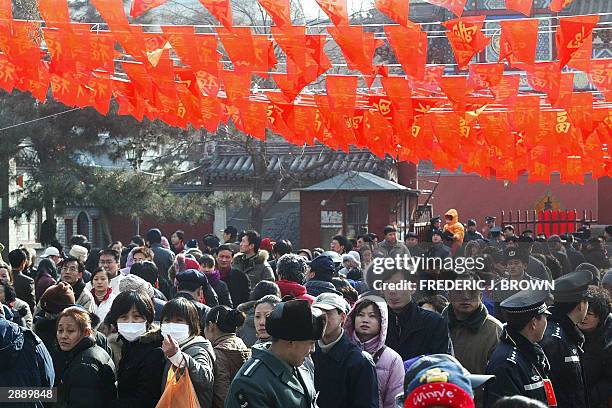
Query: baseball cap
x=331, y=301
x=440, y=379
x=50, y=251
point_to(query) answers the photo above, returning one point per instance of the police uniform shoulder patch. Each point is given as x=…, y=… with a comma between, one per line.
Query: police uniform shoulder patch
x=512, y=357
x=251, y=368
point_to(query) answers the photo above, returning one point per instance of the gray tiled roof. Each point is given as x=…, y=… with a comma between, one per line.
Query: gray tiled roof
x=232, y=163
x=357, y=181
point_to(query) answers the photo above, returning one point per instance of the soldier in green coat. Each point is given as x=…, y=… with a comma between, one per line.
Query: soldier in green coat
x=276, y=377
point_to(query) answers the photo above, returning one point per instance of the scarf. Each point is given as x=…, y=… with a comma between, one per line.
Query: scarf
x=474, y=322
x=78, y=288
x=105, y=297
x=214, y=277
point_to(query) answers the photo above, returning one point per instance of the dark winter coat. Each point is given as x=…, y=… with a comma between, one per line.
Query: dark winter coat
x=139, y=375
x=43, y=281
x=25, y=361
x=575, y=257
x=562, y=344
x=415, y=331
x=24, y=288
x=45, y=328
x=239, y=286
x=87, y=378
x=345, y=376
x=223, y=294
x=256, y=267
x=597, y=364
x=439, y=251
x=247, y=331
x=519, y=367
x=472, y=236
x=316, y=287
x=200, y=361
x=596, y=257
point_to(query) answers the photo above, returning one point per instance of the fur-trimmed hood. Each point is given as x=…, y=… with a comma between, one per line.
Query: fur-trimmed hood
x=259, y=258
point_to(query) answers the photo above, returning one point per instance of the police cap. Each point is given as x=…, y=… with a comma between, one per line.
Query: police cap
x=295, y=320
x=572, y=287
x=525, y=303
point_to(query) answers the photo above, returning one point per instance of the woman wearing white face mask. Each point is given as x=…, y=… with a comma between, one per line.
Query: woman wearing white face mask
x=184, y=347
x=139, y=376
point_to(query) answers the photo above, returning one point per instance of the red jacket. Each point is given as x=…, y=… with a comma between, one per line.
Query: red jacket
x=294, y=289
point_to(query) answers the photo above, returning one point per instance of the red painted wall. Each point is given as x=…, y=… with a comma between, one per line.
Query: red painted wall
x=123, y=229
x=379, y=213
x=476, y=197
x=604, y=205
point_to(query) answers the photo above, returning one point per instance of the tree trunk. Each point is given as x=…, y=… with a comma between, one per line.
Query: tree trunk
x=106, y=228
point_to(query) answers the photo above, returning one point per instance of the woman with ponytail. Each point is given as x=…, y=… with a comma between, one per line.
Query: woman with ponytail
x=231, y=352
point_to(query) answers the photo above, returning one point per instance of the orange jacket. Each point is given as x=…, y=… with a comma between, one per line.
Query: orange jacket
x=454, y=226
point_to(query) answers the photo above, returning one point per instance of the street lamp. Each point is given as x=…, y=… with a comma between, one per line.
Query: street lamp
x=134, y=157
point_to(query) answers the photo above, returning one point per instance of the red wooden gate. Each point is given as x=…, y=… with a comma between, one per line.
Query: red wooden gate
x=549, y=222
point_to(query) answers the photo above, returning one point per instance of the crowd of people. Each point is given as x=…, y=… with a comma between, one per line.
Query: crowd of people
x=250, y=322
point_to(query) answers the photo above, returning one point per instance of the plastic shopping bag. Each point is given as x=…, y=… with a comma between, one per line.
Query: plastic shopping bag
x=179, y=391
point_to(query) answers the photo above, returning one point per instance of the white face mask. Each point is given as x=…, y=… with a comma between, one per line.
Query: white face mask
x=132, y=331
x=178, y=331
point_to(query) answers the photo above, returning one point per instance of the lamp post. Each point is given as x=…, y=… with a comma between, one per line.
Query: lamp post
x=134, y=157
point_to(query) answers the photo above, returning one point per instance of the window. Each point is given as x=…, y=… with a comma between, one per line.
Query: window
x=357, y=216
x=83, y=224
x=68, y=230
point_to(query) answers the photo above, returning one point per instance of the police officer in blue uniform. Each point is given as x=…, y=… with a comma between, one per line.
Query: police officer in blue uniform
x=519, y=363
x=563, y=340
x=275, y=377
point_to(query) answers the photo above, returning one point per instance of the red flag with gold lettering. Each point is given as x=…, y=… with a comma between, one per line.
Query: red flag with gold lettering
x=518, y=41
x=601, y=76
x=466, y=38
x=571, y=34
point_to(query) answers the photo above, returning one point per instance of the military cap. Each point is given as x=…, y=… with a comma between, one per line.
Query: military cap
x=489, y=218
x=556, y=239
x=516, y=253
x=295, y=320
x=411, y=234
x=471, y=222
x=508, y=227
x=437, y=231
x=495, y=230
x=435, y=219
x=388, y=229
x=572, y=287
x=526, y=302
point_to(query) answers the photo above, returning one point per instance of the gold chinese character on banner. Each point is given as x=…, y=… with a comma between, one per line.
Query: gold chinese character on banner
x=383, y=106
x=563, y=125
x=578, y=39
x=416, y=130
x=464, y=128
x=464, y=32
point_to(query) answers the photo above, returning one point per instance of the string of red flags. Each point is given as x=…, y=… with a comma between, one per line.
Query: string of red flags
x=497, y=119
